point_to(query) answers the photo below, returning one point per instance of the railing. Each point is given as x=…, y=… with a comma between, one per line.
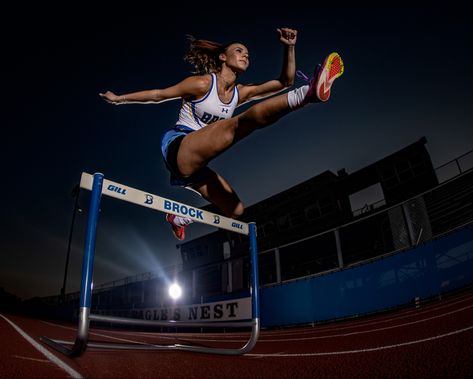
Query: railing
x=444, y=172
x=455, y=167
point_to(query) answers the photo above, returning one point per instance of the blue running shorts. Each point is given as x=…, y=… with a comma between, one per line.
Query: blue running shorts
x=169, y=153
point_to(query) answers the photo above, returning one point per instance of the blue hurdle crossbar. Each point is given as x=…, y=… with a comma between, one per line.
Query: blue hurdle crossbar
x=99, y=185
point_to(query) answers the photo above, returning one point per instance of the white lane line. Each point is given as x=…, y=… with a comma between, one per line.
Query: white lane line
x=31, y=359
x=73, y=373
x=361, y=350
x=364, y=331
x=107, y=336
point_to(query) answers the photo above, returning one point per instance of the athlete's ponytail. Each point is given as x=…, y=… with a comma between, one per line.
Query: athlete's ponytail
x=203, y=55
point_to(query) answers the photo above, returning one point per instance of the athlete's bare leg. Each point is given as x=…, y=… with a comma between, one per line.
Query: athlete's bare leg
x=219, y=192
x=199, y=147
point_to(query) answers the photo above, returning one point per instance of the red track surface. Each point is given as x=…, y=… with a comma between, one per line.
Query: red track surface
x=433, y=341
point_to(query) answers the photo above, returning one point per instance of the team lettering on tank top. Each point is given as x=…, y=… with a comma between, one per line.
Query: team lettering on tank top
x=200, y=113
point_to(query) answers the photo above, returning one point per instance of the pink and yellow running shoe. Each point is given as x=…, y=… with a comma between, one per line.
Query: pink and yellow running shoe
x=324, y=76
x=178, y=231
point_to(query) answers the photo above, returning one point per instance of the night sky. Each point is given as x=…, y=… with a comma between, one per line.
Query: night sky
x=408, y=74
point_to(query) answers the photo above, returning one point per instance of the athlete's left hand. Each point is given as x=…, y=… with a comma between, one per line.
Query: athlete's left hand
x=287, y=36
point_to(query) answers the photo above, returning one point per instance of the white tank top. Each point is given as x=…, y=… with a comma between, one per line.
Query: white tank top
x=199, y=113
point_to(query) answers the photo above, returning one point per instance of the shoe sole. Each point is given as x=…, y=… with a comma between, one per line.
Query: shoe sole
x=174, y=228
x=332, y=68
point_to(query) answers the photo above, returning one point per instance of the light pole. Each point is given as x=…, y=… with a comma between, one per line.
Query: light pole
x=75, y=192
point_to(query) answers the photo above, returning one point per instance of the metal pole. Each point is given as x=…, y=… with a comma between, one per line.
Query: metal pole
x=88, y=267
x=80, y=344
x=278, y=265
x=408, y=221
x=339, y=248
x=75, y=193
x=89, y=248
x=254, y=271
x=458, y=165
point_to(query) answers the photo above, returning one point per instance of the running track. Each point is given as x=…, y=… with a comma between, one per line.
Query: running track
x=433, y=341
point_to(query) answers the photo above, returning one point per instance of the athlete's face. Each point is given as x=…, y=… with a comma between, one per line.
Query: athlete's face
x=236, y=57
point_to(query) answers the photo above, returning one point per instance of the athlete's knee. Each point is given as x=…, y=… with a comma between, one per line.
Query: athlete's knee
x=227, y=137
x=233, y=210
x=255, y=116
x=237, y=210
x=189, y=163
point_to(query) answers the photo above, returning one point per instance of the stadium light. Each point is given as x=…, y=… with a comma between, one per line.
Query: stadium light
x=175, y=291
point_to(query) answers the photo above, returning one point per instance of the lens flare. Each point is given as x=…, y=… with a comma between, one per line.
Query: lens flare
x=175, y=291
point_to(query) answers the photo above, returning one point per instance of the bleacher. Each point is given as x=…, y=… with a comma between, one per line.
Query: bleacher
x=450, y=205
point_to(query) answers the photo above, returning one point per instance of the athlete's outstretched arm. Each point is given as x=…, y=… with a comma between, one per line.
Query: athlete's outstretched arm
x=288, y=38
x=193, y=86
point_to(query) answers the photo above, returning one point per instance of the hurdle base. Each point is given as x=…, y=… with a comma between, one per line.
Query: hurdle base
x=80, y=345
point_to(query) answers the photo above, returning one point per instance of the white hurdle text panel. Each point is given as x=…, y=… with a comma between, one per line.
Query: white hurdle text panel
x=145, y=199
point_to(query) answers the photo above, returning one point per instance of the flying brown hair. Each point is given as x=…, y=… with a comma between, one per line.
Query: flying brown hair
x=203, y=55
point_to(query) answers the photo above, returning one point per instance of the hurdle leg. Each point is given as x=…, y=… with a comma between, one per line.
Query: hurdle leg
x=82, y=337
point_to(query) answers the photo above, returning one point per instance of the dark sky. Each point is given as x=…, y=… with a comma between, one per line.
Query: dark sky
x=408, y=74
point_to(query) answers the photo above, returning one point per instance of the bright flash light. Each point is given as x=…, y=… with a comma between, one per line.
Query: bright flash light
x=175, y=291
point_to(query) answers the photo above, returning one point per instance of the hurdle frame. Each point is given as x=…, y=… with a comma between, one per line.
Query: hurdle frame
x=99, y=186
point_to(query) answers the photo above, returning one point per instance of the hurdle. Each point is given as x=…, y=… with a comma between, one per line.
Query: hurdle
x=99, y=186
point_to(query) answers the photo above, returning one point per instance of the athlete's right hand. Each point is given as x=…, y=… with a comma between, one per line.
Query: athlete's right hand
x=111, y=98
x=287, y=36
